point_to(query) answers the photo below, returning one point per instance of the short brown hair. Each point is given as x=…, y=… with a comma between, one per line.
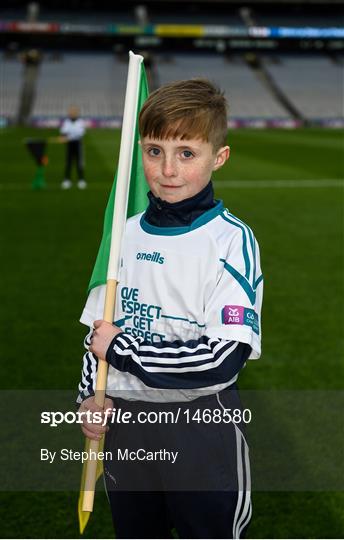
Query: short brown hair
x=191, y=109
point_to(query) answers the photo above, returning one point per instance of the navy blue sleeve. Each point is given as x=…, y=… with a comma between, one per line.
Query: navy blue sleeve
x=178, y=364
x=89, y=372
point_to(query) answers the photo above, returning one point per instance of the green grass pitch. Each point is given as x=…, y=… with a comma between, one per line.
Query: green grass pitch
x=49, y=243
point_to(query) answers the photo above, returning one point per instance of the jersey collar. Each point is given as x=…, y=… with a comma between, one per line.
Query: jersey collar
x=171, y=219
x=180, y=214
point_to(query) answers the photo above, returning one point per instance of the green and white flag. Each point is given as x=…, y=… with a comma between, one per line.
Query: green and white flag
x=137, y=201
x=128, y=197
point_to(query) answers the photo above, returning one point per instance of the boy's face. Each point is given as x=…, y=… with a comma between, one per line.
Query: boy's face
x=177, y=169
x=73, y=112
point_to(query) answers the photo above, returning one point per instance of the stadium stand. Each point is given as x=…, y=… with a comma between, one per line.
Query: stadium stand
x=101, y=94
x=95, y=82
x=247, y=96
x=313, y=84
x=195, y=18
x=10, y=81
x=72, y=16
x=297, y=21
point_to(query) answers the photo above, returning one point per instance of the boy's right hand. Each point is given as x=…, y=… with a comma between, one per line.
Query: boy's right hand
x=94, y=430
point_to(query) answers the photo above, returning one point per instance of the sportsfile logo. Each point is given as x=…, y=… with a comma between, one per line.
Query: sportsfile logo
x=152, y=257
x=240, y=315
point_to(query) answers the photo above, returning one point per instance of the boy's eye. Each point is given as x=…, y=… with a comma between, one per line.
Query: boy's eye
x=154, y=151
x=187, y=154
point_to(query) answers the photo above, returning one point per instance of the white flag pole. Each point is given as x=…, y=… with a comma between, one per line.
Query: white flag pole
x=125, y=161
x=118, y=224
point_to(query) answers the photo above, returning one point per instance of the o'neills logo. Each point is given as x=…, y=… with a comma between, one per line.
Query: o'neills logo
x=152, y=257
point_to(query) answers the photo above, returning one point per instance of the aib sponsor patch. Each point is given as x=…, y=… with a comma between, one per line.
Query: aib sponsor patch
x=240, y=315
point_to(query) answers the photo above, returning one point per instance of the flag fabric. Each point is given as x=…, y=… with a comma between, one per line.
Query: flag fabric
x=137, y=196
x=137, y=202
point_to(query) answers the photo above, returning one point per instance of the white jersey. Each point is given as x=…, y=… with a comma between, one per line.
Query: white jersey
x=73, y=130
x=177, y=285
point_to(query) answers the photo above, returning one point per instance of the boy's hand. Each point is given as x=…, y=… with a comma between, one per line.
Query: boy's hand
x=102, y=336
x=94, y=430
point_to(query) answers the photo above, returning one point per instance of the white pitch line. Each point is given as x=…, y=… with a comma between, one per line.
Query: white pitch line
x=240, y=184
x=330, y=182
x=54, y=187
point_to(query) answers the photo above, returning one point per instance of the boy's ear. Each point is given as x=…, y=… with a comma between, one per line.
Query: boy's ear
x=221, y=157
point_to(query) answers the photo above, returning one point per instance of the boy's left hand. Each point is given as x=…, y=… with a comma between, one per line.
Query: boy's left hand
x=102, y=336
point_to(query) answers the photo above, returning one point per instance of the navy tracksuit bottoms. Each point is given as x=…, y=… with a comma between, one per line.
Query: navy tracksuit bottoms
x=191, y=474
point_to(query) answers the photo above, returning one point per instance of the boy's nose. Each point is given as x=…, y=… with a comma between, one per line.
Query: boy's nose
x=169, y=168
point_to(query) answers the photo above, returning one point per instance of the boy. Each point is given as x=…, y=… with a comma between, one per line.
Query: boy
x=188, y=309
x=72, y=132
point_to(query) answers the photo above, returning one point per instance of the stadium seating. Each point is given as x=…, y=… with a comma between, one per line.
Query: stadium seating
x=71, y=16
x=94, y=82
x=247, y=96
x=10, y=77
x=314, y=84
x=299, y=20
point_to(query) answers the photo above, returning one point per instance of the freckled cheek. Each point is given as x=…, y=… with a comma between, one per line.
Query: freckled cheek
x=194, y=175
x=151, y=171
